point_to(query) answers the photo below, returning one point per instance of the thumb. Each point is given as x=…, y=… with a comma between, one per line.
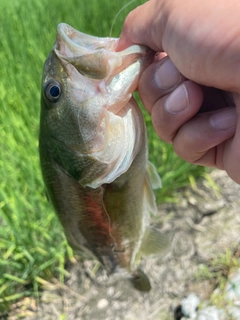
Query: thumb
x=143, y=26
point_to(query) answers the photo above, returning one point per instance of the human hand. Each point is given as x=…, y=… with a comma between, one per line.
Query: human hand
x=199, y=120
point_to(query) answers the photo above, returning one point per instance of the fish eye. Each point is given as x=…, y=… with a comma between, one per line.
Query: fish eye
x=53, y=91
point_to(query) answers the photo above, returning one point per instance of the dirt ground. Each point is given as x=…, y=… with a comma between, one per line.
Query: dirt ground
x=204, y=226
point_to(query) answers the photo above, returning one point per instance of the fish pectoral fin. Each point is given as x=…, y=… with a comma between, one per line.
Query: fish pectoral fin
x=149, y=197
x=152, y=181
x=154, y=242
x=153, y=176
x=140, y=281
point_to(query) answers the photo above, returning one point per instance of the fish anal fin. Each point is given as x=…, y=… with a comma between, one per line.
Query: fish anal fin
x=154, y=242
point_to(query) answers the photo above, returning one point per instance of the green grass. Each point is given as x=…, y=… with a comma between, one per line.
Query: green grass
x=32, y=245
x=217, y=272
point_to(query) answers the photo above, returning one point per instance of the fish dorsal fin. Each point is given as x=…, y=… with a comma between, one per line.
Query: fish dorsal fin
x=153, y=176
x=154, y=242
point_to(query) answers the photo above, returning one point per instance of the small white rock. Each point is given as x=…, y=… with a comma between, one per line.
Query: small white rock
x=233, y=287
x=235, y=313
x=209, y=313
x=103, y=303
x=189, y=305
x=110, y=291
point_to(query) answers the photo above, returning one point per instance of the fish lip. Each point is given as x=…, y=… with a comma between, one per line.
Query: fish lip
x=88, y=43
x=71, y=43
x=80, y=43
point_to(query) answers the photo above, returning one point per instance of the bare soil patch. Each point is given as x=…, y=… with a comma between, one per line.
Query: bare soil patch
x=204, y=225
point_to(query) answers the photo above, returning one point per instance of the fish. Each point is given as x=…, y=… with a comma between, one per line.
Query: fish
x=94, y=151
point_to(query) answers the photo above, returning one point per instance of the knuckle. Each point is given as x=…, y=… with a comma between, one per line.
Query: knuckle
x=183, y=146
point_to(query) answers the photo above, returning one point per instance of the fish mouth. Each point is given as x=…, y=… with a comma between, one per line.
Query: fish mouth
x=93, y=57
x=93, y=66
x=80, y=43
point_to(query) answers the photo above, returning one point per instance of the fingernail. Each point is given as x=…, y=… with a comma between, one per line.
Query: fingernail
x=224, y=119
x=167, y=75
x=178, y=100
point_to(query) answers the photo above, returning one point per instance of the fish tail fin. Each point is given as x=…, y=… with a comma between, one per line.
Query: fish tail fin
x=140, y=281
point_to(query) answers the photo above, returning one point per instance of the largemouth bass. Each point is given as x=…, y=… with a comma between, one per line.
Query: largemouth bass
x=93, y=150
